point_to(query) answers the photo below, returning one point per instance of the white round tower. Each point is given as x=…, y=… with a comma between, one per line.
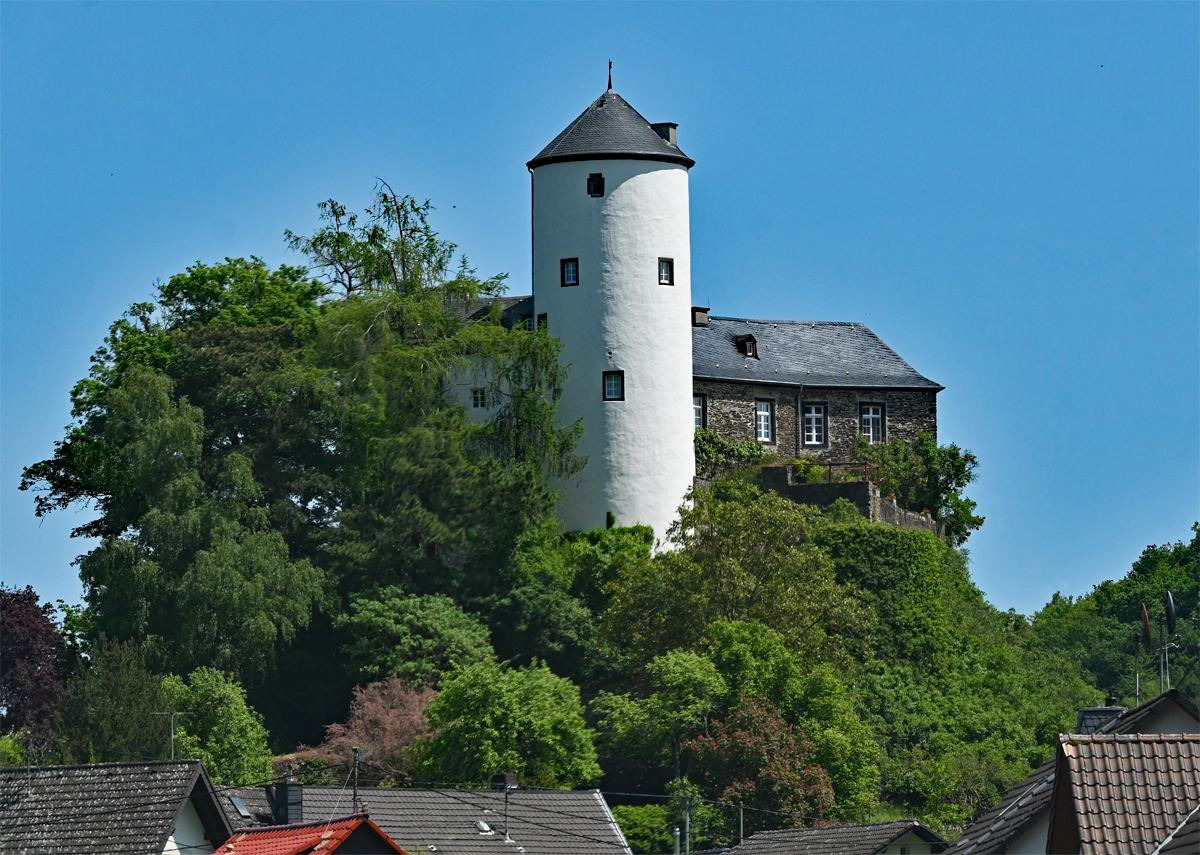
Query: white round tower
x=612, y=281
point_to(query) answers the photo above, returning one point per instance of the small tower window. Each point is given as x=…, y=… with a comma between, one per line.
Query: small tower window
x=543, y=321
x=596, y=184
x=479, y=399
x=570, y=271
x=614, y=385
x=666, y=271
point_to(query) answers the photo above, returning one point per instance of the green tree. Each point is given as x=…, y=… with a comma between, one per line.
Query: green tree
x=217, y=726
x=741, y=554
x=112, y=708
x=925, y=476
x=647, y=828
x=489, y=719
x=418, y=638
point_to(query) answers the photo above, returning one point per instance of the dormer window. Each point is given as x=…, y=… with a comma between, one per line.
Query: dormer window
x=747, y=346
x=666, y=271
x=596, y=184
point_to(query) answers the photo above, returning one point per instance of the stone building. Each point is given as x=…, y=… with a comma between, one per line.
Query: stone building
x=805, y=387
x=612, y=282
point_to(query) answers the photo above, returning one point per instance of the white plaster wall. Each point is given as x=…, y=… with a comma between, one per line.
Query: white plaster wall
x=1171, y=719
x=619, y=318
x=1033, y=841
x=188, y=834
x=909, y=844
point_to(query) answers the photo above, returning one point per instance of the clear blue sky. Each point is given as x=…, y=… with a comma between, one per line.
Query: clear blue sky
x=1006, y=193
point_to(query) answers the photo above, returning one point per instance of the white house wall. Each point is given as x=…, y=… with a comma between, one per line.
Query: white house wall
x=188, y=835
x=640, y=458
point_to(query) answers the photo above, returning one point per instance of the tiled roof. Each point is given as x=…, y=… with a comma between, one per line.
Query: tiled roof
x=1092, y=719
x=1029, y=801
x=102, y=808
x=1127, y=792
x=609, y=129
x=554, y=822
x=1185, y=838
x=253, y=799
x=304, y=837
x=866, y=839
x=801, y=353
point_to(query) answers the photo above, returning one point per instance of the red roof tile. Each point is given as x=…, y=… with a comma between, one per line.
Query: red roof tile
x=301, y=838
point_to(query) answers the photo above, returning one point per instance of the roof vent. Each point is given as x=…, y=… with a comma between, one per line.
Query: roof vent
x=699, y=316
x=667, y=130
x=482, y=827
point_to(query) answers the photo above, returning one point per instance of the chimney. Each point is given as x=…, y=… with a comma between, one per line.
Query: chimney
x=667, y=130
x=699, y=316
x=507, y=781
x=287, y=802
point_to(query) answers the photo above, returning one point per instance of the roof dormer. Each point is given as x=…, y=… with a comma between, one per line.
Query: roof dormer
x=747, y=345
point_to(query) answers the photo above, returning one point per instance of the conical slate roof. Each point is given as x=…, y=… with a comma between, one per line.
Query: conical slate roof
x=610, y=130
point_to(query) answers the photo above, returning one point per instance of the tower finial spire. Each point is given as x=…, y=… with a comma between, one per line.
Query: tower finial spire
x=610, y=75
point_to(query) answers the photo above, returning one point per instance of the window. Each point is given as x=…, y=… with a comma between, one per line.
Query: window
x=543, y=322
x=814, y=424
x=747, y=346
x=666, y=271
x=871, y=422
x=699, y=407
x=596, y=184
x=479, y=399
x=570, y=271
x=752, y=349
x=764, y=421
x=614, y=385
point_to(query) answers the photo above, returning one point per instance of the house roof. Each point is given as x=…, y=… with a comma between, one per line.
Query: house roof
x=801, y=353
x=305, y=837
x=1029, y=801
x=1185, y=838
x=104, y=807
x=540, y=822
x=1124, y=792
x=867, y=839
x=253, y=799
x=610, y=129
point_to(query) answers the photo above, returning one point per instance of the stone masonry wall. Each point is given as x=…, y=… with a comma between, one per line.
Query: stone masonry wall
x=730, y=413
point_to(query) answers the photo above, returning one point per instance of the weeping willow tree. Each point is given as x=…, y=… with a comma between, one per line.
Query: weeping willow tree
x=258, y=445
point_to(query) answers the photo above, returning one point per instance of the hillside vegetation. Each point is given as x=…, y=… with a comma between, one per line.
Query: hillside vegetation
x=292, y=515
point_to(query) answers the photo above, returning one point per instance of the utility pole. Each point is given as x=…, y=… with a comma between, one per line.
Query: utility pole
x=676, y=831
x=357, y=762
x=741, y=826
x=687, y=825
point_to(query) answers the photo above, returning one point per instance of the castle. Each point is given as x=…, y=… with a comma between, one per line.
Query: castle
x=612, y=280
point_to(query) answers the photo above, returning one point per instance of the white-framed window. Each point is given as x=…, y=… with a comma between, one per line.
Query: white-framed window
x=479, y=399
x=614, y=385
x=698, y=409
x=666, y=271
x=764, y=420
x=570, y=271
x=870, y=419
x=814, y=424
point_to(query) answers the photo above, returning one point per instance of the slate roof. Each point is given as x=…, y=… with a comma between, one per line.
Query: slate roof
x=102, y=808
x=1027, y=802
x=1092, y=719
x=1185, y=838
x=254, y=799
x=609, y=129
x=801, y=353
x=304, y=837
x=1127, y=792
x=540, y=822
x=866, y=839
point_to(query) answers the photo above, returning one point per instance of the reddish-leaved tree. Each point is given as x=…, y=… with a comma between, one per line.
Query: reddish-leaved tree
x=753, y=757
x=30, y=688
x=386, y=719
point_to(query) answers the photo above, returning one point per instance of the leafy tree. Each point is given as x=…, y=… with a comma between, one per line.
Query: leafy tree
x=925, y=476
x=112, y=708
x=715, y=454
x=386, y=721
x=741, y=554
x=647, y=828
x=754, y=758
x=219, y=727
x=418, y=638
x=30, y=688
x=489, y=719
